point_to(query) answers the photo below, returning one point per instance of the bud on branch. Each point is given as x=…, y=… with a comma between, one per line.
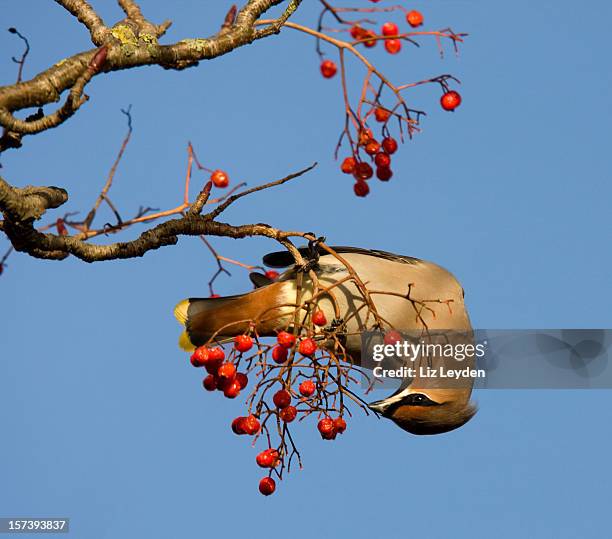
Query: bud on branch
x=99, y=59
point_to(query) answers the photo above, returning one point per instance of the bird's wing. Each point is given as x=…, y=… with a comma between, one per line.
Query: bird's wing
x=283, y=259
x=259, y=279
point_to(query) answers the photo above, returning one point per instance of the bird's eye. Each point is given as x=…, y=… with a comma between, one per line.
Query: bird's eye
x=418, y=399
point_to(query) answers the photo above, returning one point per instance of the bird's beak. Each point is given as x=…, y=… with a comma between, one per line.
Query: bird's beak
x=378, y=406
x=381, y=406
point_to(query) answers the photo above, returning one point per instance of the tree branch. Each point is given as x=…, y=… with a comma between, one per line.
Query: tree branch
x=274, y=27
x=73, y=102
x=21, y=207
x=28, y=203
x=128, y=45
x=133, y=12
x=51, y=246
x=222, y=207
x=87, y=15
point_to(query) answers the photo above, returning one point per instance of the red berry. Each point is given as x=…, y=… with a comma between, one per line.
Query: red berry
x=222, y=383
x=219, y=178
x=382, y=159
x=267, y=458
x=267, y=486
x=357, y=31
x=210, y=382
x=238, y=425
x=250, y=425
x=307, y=347
x=414, y=18
x=381, y=115
x=214, y=296
x=231, y=389
x=216, y=354
x=389, y=144
x=363, y=171
x=227, y=370
x=285, y=339
x=389, y=29
x=271, y=274
x=365, y=136
x=371, y=42
x=263, y=459
x=384, y=174
x=328, y=69
x=243, y=343
x=307, y=388
x=372, y=147
x=199, y=356
x=326, y=427
x=279, y=354
x=348, y=165
x=215, y=358
x=212, y=365
x=318, y=318
x=242, y=379
x=282, y=398
x=339, y=425
x=392, y=337
x=288, y=414
x=361, y=188
x=393, y=46
x=450, y=100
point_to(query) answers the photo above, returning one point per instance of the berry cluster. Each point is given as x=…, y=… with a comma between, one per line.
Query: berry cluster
x=293, y=395
x=222, y=375
x=329, y=427
x=389, y=34
x=378, y=152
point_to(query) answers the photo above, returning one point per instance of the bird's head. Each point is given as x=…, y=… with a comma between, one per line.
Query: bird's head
x=427, y=411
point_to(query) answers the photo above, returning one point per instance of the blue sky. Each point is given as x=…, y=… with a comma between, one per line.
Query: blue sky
x=105, y=421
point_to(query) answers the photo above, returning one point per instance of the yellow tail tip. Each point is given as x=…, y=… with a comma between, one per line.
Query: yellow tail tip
x=180, y=311
x=185, y=343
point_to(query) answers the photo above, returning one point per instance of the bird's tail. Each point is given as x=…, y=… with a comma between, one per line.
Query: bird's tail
x=229, y=316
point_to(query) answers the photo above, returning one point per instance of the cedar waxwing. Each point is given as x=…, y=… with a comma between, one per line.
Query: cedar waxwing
x=418, y=406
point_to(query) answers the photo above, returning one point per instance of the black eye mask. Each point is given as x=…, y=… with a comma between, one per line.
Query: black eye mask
x=412, y=399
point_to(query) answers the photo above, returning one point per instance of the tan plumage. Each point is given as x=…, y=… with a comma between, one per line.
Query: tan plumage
x=381, y=272
x=231, y=315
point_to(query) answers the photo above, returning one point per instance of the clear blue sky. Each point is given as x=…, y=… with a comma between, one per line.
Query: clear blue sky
x=103, y=419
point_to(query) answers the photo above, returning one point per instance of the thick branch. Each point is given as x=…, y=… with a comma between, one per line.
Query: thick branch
x=128, y=46
x=87, y=15
x=21, y=207
x=58, y=247
x=73, y=102
x=133, y=12
x=29, y=203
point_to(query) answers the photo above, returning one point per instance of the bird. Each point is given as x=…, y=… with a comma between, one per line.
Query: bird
x=409, y=294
